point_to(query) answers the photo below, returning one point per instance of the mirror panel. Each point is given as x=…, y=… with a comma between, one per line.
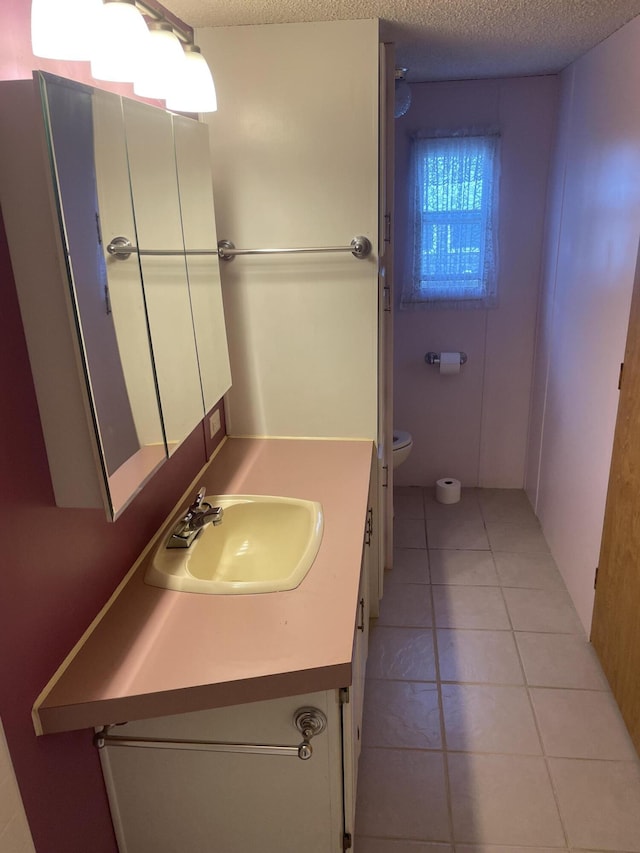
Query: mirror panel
x=154, y=189
x=196, y=204
x=126, y=297
x=71, y=137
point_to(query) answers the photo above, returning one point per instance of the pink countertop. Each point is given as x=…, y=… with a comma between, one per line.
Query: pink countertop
x=157, y=652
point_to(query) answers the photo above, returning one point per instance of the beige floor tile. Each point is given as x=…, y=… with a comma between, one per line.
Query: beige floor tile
x=470, y=607
x=407, y=490
x=408, y=502
x=402, y=794
x=581, y=724
x=531, y=571
x=389, y=845
x=410, y=565
x=510, y=505
x=486, y=718
x=503, y=799
x=458, y=513
x=518, y=538
x=599, y=802
x=472, y=568
x=401, y=714
x=560, y=660
x=547, y=610
x=409, y=533
x=467, y=505
x=406, y=604
x=478, y=656
x=457, y=533
x=404, y=654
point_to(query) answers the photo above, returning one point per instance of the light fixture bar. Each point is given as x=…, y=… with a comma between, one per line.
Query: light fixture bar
x=185, y=35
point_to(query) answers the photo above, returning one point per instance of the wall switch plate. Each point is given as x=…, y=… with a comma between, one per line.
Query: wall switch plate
x=214, y=423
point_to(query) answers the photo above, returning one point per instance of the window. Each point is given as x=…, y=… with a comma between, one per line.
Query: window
x=455, y=191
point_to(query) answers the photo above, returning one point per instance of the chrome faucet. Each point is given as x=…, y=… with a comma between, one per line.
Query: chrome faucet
x=199, y=514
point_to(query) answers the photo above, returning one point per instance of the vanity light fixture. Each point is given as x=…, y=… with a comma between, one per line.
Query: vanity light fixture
x=194, y=91
x=121, y=44
x=64, y=29
x=162, y=64
x=158, y=58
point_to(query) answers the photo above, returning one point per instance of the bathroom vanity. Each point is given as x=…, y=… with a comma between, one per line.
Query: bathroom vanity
x=200, y=693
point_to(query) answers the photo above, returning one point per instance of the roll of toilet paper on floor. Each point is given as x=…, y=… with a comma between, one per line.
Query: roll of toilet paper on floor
x=448, y=490
x=449, y=363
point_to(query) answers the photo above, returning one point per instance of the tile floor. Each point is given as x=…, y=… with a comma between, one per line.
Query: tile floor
x=488, y=724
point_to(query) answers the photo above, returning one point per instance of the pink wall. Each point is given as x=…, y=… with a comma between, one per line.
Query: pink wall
x=58, y=566
x=592, y=243
x=474, y=426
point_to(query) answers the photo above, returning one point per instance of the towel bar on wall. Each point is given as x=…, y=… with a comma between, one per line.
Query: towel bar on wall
x=360, y=247
x=122, y=248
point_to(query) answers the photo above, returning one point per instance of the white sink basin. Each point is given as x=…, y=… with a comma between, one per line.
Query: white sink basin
x=264, y=544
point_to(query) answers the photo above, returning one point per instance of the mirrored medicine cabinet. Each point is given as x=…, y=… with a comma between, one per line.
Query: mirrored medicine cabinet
x=128, y=351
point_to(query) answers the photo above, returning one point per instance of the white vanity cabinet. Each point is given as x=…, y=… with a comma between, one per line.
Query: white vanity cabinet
x=352, y=710
x=231, y=779
x=168, y=796
x=212, y=780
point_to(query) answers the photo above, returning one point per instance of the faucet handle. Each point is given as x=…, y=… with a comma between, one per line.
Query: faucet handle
x=212, y=515
x=202, y=491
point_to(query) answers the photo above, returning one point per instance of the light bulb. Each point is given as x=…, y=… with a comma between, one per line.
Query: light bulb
x=194, y=91
x=162, y=64
x=121, y=42
x=64, y=29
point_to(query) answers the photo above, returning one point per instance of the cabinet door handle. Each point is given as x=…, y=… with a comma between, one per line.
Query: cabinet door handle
x=368, y=531
x=361, y=605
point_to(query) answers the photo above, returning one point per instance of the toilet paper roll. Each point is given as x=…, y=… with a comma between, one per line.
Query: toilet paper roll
x=449, y=363
x=448, y=490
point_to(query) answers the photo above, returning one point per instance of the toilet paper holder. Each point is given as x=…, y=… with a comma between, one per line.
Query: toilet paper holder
x=434, y=358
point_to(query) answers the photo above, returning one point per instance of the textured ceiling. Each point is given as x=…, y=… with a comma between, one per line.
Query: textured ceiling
x=446, y=39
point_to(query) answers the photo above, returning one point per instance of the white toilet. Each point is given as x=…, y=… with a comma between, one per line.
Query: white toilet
x=402, y=444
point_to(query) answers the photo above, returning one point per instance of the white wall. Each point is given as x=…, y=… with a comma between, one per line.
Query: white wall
x=14, y=830
x=295, y=163
x=593, y=229
x=474, y=426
